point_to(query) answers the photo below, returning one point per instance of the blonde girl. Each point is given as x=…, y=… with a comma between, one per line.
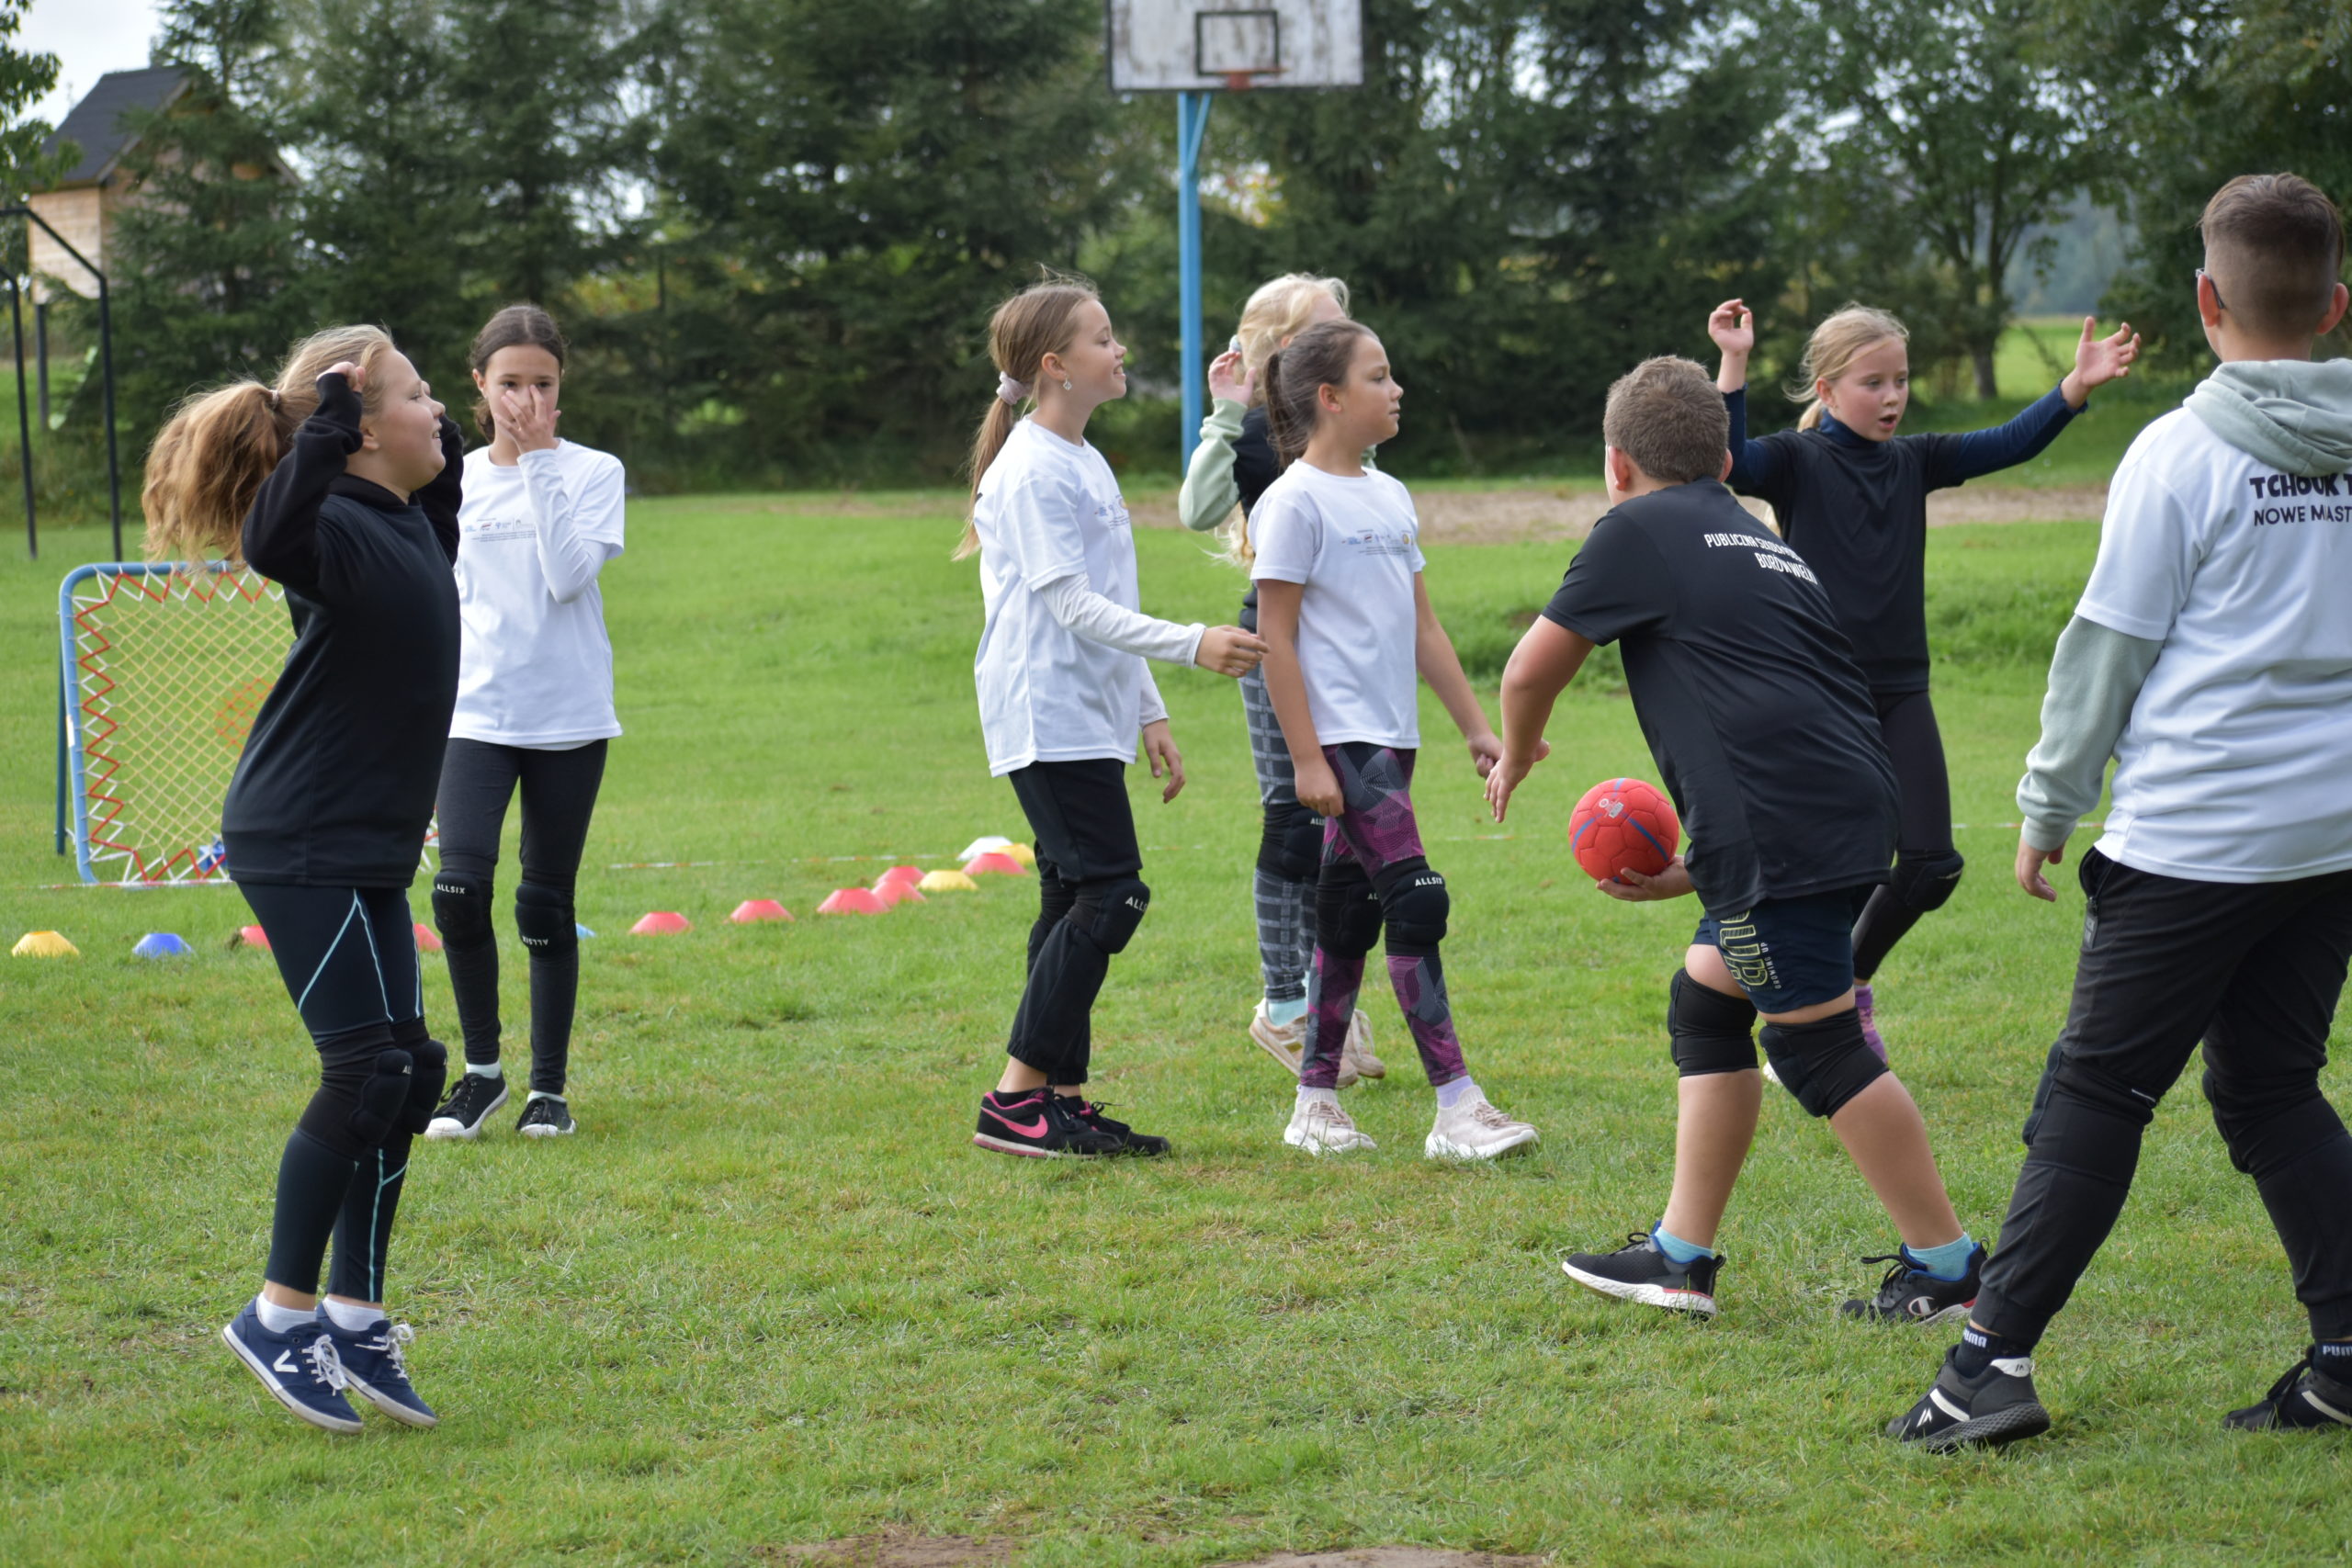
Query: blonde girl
x=1852, y=495
x=1232, y=467
x=1064, y=693
x=341, y=483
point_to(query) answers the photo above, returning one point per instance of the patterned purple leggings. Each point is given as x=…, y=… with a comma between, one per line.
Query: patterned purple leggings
x=1371, y=848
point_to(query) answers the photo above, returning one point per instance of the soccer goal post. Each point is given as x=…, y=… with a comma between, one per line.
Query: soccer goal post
x=164, y=667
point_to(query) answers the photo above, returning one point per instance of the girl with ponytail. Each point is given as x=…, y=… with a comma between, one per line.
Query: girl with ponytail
x=1851, y=496
x=340, y=482
x=1063, y=693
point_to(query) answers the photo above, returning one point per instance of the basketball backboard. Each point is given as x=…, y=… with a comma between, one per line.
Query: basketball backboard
x=1197, y=46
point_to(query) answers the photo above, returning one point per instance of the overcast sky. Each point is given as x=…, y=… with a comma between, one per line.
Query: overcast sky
x=89, y=37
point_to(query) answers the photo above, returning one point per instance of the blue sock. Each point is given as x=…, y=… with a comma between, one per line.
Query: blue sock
x=1678, y=1250
x=1947, y=1262
x=1280, y=1013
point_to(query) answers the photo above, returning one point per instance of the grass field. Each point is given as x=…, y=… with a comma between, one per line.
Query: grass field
x=770, y=1296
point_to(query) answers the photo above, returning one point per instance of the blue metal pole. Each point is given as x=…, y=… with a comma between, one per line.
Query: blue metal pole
x=1192, y=121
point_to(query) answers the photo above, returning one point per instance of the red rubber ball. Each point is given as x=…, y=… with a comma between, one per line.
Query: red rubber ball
x=1623, y=824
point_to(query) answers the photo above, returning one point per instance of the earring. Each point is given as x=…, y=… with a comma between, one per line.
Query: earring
x=1065, y=386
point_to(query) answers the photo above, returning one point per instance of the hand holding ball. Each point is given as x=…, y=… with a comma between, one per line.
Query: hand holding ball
x=1623, y=824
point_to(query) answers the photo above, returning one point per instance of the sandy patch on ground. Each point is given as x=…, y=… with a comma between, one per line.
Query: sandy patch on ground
x=1506, y=516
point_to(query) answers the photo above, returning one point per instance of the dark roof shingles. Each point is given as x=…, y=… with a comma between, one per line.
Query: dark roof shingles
x=97, y=124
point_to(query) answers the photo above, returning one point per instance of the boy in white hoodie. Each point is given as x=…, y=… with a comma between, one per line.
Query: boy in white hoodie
x=2211, y=656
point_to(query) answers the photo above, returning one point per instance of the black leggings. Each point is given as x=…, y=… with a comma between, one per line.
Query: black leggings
x=1090, y=902
x=348, y=958
x=1927, y=866
x=478, y=781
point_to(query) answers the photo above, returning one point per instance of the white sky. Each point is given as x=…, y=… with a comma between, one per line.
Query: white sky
x=89, y=37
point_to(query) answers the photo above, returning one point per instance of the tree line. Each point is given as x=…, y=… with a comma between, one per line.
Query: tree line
x=775, y=228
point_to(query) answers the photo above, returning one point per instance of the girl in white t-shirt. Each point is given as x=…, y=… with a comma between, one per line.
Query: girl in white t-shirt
x=1347, y=625
x=535, y=708
x=1063, y=693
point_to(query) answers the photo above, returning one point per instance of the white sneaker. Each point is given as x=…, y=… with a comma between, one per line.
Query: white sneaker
x=1356, y=1059
x=1320, y=1127
x=1476, y=1128
x=1286, y=1044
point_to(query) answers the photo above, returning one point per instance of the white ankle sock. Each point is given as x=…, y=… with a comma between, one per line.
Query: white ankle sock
x=542, y=1094
x=1280, y=1013
x=1309, y=1096
x=1450, y=1095
x=494, y=1070
x=281, y=1319
x=351, y=1317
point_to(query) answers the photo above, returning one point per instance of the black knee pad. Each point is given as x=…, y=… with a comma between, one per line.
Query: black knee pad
x=428, y=1074
x=543, y=918
x=1347, y=912
x=1414, y=902
x=1110, y=909
x=384, y=1095
x=1710, y=1031
x=1926, y=882
x=1824, y=1064
x=461, y=905
x=1290, y=844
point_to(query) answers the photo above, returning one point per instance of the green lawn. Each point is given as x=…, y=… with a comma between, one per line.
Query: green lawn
x=771, y=1297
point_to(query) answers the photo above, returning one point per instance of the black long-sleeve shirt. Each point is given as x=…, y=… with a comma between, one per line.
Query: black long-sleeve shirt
x=336, y=784
x=1255, y=466
x=1856, y=510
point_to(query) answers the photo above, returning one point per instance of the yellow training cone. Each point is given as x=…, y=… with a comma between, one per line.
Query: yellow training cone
x=44, y=944
x=947, y=882
x=1021, y=852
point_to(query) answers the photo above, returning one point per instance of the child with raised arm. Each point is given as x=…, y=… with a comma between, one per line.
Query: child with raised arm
x=1852, y=495
x=534, y=711
x=1348, y=623
x=1761, y=728
x=340, y=482
x=1231, y=467
x=2210, y=657
x=1063, y=691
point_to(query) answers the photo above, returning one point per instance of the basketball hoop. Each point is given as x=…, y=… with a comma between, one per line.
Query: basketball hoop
x=1242, y=81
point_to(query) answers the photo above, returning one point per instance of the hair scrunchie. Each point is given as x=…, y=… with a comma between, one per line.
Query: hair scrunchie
x=1009, y=393
x=276, y=401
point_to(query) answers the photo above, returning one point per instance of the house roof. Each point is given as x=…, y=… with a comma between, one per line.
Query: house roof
x=99, y=124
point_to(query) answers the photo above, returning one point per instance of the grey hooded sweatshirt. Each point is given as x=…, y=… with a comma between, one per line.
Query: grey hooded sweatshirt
x=2294, y=414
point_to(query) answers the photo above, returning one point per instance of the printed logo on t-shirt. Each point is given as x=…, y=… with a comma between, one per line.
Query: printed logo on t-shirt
x=1376, y=542
x=489, y=530
x=1771, y=554
x=2292, y=490
x=1113, y=513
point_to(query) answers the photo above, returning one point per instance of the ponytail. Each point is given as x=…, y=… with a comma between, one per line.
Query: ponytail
x=1295, y=376
x=1032, y=325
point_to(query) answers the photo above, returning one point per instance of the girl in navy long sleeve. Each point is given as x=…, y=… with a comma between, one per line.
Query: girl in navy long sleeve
x=1852, y=495
x=340, y=482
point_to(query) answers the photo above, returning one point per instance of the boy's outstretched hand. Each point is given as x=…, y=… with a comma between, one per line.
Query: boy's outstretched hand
x=1631, y=887
x=2098, y=360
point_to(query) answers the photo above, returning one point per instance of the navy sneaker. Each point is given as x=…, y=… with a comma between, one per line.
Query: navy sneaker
x=1039, y=1126
x=1639, y=1271
x=2305, y=1397
x=1997, y=1406
x=547, y=1116
x=1908, y=1294
x=299, y=1367
x=1147, y=1146
x=373, y=1364
x=471, y=1100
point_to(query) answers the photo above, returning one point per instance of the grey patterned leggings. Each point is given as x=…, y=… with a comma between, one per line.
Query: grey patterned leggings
x=1290, y=855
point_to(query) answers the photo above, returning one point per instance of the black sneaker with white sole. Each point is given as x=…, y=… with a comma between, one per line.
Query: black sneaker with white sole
x=1146, y=1146
x=1997, y=1406
x=547, y=1117
x=471, y=1100
x=1639, y=1271
x=1911, y=1294
x=1038, y=1124
x=2305, y=1397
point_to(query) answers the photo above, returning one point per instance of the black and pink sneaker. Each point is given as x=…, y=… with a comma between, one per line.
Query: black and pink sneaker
x=1146, y=1145
x=1039, y=1124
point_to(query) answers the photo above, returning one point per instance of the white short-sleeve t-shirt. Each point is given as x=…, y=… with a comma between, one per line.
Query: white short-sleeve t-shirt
x=1354, y=545
x=1050, y=508
x=2236, y=762
x=534, y=671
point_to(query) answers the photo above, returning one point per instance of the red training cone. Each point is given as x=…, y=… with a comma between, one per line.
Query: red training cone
x=252, y=936
x=851, y=901
x=660, y=923
x=904, y=875
x=428, y=938
x=752, y=910
x=994, y=861
x=894, y=892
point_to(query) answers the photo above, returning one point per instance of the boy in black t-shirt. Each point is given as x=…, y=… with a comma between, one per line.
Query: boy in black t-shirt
x=1761, y=726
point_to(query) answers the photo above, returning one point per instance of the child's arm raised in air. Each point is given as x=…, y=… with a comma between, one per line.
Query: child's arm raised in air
x=1541, y=667
x=281, y=529
x=1315, y=784
x=1209, y=492
x=1433, y=656
x=2098, y=360
x=1732, y=326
